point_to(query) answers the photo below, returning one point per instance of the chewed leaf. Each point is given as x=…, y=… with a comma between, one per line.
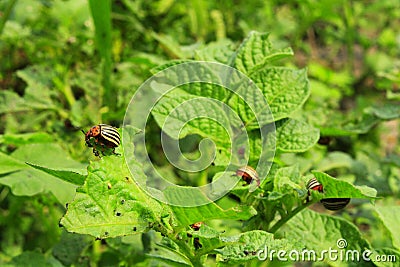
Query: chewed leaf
x=111, y=203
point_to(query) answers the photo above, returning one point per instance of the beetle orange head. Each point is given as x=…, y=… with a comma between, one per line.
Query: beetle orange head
x=94, y=131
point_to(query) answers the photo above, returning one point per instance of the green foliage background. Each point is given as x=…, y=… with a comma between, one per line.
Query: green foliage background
x=67, y=65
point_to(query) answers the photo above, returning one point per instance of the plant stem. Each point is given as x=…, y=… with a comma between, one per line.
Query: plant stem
x=69, y=95
x=282, y=221
x=65, y=89
x=96, y=252
x=185, y=250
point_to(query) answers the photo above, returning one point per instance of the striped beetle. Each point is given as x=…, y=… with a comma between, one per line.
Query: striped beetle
x=335, y=203
x=313, y=184
x=105, y=137
x=329, y=203
x=248, y=174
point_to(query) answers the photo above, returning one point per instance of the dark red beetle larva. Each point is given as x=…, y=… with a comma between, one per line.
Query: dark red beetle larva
x=196, y=226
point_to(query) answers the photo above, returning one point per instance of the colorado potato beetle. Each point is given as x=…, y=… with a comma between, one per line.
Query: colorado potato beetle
x=329, y=203
x=102, y=137
x=313, y=184
x=248, y=174
x=335, y=203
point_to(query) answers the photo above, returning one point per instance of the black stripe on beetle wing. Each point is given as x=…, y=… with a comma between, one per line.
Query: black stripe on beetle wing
x=110, y=134
x=312, y=183
x=110, y=130
x=335, y=203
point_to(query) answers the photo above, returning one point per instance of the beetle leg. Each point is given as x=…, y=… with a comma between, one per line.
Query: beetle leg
x=117, y=154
